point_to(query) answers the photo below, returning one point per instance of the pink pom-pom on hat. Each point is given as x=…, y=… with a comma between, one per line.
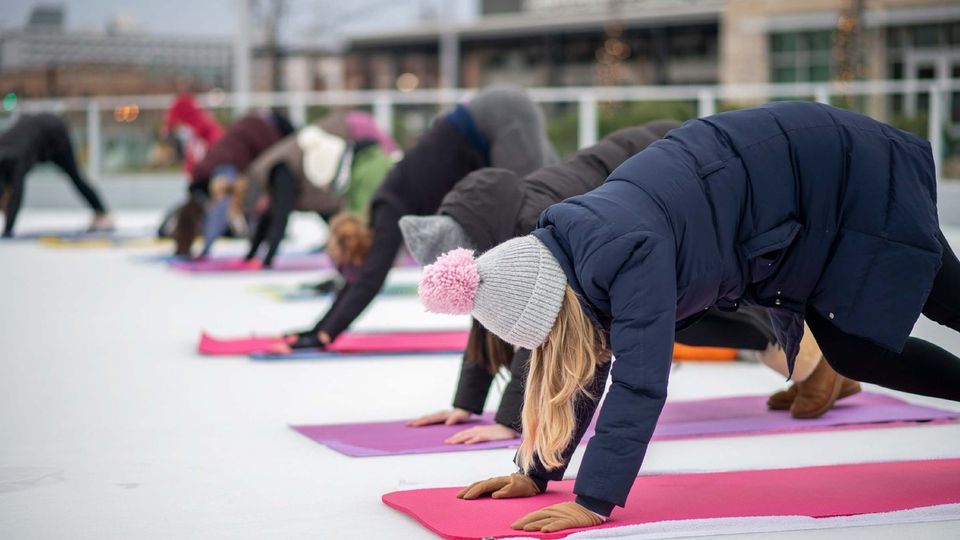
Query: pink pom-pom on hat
x=449, y=285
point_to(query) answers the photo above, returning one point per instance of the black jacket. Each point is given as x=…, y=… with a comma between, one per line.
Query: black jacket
x=415, y=186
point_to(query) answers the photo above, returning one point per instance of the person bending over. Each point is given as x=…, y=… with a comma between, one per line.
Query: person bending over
x=41, y=138
x=500, y=126
x=817, y=214
x=311, y=171
x=216, y=199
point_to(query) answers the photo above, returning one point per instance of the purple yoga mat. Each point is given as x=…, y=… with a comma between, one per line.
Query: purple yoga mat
x=746, y=415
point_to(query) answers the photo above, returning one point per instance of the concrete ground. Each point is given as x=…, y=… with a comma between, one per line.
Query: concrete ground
x=112, y=427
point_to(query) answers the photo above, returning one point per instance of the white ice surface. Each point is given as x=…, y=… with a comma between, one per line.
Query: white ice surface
x=112, y=427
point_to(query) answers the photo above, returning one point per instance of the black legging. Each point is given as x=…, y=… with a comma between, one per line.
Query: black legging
x=749, y=328
x=922, y=368
x=273, y=223
x=67, y=162
x=13, y=174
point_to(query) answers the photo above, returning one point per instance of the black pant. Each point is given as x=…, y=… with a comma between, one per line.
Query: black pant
x=749, y=328
x=922, y=367
x=63, y=157
x=272, y=225
x=13, y=172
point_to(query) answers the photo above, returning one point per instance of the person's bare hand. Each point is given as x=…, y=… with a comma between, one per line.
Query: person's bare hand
x=479, y=434
x=448, y=417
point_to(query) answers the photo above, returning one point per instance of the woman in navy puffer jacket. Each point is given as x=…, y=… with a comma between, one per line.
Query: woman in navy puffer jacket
x=818, y=214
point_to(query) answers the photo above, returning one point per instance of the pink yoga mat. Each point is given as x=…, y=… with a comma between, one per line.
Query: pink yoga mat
x=212, y=346
x=723, y=417
x=819, y=492
x=348, y=343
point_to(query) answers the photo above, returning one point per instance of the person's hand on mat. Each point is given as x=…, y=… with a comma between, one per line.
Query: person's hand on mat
x=448, y=417
x=568, y=515
x=302, y=340
x=479, y=434
x=501, y=487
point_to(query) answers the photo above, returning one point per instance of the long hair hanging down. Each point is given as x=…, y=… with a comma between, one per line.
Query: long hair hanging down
x=350, y=239
x=560, y=369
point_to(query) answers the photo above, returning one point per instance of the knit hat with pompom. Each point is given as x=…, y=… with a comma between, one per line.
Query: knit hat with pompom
x=515, y=290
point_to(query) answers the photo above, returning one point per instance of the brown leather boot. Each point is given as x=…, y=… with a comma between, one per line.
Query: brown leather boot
x=848, y=388
x=782, y=400
x=818, y=393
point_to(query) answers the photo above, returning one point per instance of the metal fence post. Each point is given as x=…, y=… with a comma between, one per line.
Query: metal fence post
x=822, y=94
x=298, y=110
x=383, y=112
x=706, y=103
x=587, y=120
x=935, y=127
x=93, y=139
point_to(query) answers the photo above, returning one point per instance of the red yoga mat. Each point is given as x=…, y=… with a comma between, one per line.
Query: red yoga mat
x=347, y=343
x=818, y=492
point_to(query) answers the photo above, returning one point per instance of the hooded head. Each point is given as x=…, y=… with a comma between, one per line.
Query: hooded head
x=514, y=290
x=513, y=127
x=428, y=237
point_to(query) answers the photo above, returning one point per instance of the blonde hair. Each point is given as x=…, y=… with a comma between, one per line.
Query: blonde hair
x=350, y=239
x=560, y=369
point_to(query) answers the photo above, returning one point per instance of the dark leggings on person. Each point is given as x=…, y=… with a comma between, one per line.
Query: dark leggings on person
x=63, y=157
x=273, y=223
x=922, y=367
x=749, y=328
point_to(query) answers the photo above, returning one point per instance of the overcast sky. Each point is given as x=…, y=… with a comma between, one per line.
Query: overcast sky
x=305, y=19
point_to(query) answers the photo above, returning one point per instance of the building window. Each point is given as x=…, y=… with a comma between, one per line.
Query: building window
x=801, y=56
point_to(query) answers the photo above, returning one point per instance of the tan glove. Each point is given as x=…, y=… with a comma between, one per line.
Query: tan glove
x=501, y=487
x=568, y=515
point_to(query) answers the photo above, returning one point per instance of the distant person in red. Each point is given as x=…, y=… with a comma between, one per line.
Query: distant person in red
x=195, y=129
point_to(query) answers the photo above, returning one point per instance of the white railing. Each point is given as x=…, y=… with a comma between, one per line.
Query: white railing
x=383, y=102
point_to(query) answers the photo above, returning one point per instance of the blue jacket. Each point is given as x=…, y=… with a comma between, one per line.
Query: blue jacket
x=790, y=206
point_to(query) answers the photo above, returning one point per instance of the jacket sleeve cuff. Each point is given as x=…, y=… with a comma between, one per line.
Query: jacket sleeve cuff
x=459, y=403
x=596, y=506
x=540, y=482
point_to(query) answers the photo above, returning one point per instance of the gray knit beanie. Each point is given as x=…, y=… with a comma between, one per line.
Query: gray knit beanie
x=515, y=290
x=427, y=237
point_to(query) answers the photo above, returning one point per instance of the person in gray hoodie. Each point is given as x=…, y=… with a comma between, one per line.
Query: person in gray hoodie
x=499, y=127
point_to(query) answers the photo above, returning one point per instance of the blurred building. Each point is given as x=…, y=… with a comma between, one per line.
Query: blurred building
x=297, y=69
x=620, y=42
x=553, y=43
x=44, y=59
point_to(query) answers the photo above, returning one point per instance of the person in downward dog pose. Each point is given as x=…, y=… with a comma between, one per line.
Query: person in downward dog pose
x=41, y=138
x=490, y=206
x=815, y=213
x=500, y=126
x=216, y=194
x=312, y=170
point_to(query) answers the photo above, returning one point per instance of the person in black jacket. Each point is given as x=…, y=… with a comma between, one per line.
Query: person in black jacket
x=40, y=138
x=817, y=214
x=491, y=206
x=500, y=126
